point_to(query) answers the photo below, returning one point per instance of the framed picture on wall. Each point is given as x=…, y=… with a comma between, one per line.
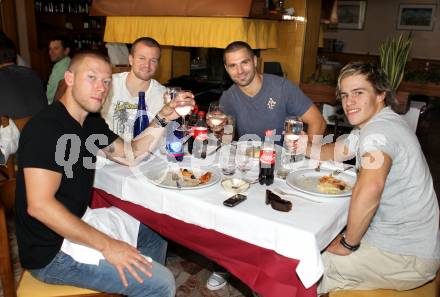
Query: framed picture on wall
x=351, y=14
x=416, y=17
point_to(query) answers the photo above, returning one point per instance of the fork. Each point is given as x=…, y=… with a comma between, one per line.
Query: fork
x=338, y=171
x=318, y=167
x=281, y=192
x=175, y=178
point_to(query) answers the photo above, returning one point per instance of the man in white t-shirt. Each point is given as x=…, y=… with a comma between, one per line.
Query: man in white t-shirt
x=121, y=107
x=392, y=238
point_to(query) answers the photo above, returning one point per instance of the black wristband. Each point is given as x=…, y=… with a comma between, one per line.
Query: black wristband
x=348, y=246
x=160, y=121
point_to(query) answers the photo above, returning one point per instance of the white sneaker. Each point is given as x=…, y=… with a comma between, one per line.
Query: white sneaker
x=215, y=282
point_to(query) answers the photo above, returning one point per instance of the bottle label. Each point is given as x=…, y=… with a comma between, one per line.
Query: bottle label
x=175, y=149
x=200, y=133
x=267, y=156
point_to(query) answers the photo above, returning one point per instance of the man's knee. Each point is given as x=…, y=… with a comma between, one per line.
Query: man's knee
x=163, y=281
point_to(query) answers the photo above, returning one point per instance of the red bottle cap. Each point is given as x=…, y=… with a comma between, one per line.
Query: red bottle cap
x=201, y=113
x=268, y=133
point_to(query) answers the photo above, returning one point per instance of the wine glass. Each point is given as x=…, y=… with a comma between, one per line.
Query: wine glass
x=171, y=93
x=183, y=107
x=216, y=118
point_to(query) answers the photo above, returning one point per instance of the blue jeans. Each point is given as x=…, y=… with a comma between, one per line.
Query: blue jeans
x=105, y=278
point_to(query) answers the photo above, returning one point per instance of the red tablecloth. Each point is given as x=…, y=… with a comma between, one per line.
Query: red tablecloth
x=263, y=270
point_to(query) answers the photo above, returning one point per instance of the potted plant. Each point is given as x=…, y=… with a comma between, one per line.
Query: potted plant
x=394, y=54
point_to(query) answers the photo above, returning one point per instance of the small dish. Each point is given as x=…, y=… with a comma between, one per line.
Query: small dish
x=235, y=185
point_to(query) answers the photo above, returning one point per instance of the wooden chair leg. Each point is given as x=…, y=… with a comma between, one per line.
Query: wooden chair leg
x=6, y=272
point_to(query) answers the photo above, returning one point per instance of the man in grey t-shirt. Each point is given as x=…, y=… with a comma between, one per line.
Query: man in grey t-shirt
x=261, y=102
x=392, y=236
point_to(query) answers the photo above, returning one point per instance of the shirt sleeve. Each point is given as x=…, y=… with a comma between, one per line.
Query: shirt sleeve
x=98, y=125
x=40, y=142
x=297, y=102
x=225, y=103
x=374, y=137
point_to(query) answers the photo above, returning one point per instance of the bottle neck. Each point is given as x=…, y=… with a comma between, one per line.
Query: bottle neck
x=141, y=103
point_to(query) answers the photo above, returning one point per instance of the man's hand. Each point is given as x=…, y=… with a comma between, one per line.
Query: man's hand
x=168, y=111
x=125, y=257
x=336, y=248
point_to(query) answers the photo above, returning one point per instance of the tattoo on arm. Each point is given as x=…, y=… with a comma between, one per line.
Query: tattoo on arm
x=111, y=148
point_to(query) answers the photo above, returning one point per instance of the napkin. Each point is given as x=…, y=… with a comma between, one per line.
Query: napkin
x=9, y=136
x=111, y=221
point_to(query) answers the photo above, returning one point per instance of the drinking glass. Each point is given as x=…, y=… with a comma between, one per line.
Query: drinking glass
x=216, y=118
x=227, y=159
x=183, y=107
x=171, y=93
x=293, y=127
x=243, y=157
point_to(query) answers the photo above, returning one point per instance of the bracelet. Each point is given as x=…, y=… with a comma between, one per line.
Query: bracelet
x=160, y=121
x=348, y=246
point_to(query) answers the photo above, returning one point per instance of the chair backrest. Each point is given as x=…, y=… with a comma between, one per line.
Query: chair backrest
x=8, y=172
x=273, y=68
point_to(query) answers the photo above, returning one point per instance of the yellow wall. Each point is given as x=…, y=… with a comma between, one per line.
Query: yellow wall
x=290, y=52
x=174, y=62
x=291, y=43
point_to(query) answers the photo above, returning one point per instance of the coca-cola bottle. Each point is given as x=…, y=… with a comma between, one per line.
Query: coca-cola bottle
x=141, y=121
x=267, y=159
x=200, y=137
x=191, y=124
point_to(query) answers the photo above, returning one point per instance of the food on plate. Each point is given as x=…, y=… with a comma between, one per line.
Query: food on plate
x=191, y=180
x=330, y=185
x=205, y=177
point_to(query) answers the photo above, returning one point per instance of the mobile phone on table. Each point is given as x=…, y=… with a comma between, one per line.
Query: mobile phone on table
x=234, y=200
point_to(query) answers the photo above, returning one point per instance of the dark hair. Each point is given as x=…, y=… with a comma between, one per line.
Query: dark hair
x=65, y=42
x=373, y=74
x=80, y=56
x=148, y=41
x=235, y=46
x=8, y=52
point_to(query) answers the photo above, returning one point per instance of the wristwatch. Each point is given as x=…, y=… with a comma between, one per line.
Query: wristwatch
x=348, y=246
x=160, y=121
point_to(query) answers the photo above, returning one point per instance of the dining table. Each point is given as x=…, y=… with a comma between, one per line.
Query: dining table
x=274, y=253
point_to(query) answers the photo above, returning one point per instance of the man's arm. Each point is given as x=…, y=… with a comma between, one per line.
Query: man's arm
x=41, y=186
x=147, y=141
x=365, y=199
x=315, y=122
x=336, y=151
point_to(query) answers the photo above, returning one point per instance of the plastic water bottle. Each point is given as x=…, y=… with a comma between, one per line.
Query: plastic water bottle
x=174, y=143
x=141, y=121
x=200, y=142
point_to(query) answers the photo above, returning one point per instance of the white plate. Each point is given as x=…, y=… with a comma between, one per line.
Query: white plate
x=162, y=176
x=306, y=180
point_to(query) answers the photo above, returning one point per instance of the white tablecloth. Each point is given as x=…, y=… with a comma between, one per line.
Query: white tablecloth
x=299, y=234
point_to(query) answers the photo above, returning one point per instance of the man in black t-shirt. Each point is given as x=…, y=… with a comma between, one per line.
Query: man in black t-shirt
x=54, y=184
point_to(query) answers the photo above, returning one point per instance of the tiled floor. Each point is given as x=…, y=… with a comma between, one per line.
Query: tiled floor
x=192, y=270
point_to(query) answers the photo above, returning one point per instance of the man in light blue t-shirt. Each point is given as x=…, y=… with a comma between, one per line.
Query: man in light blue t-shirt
x=59, y=50
x=392, y=237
